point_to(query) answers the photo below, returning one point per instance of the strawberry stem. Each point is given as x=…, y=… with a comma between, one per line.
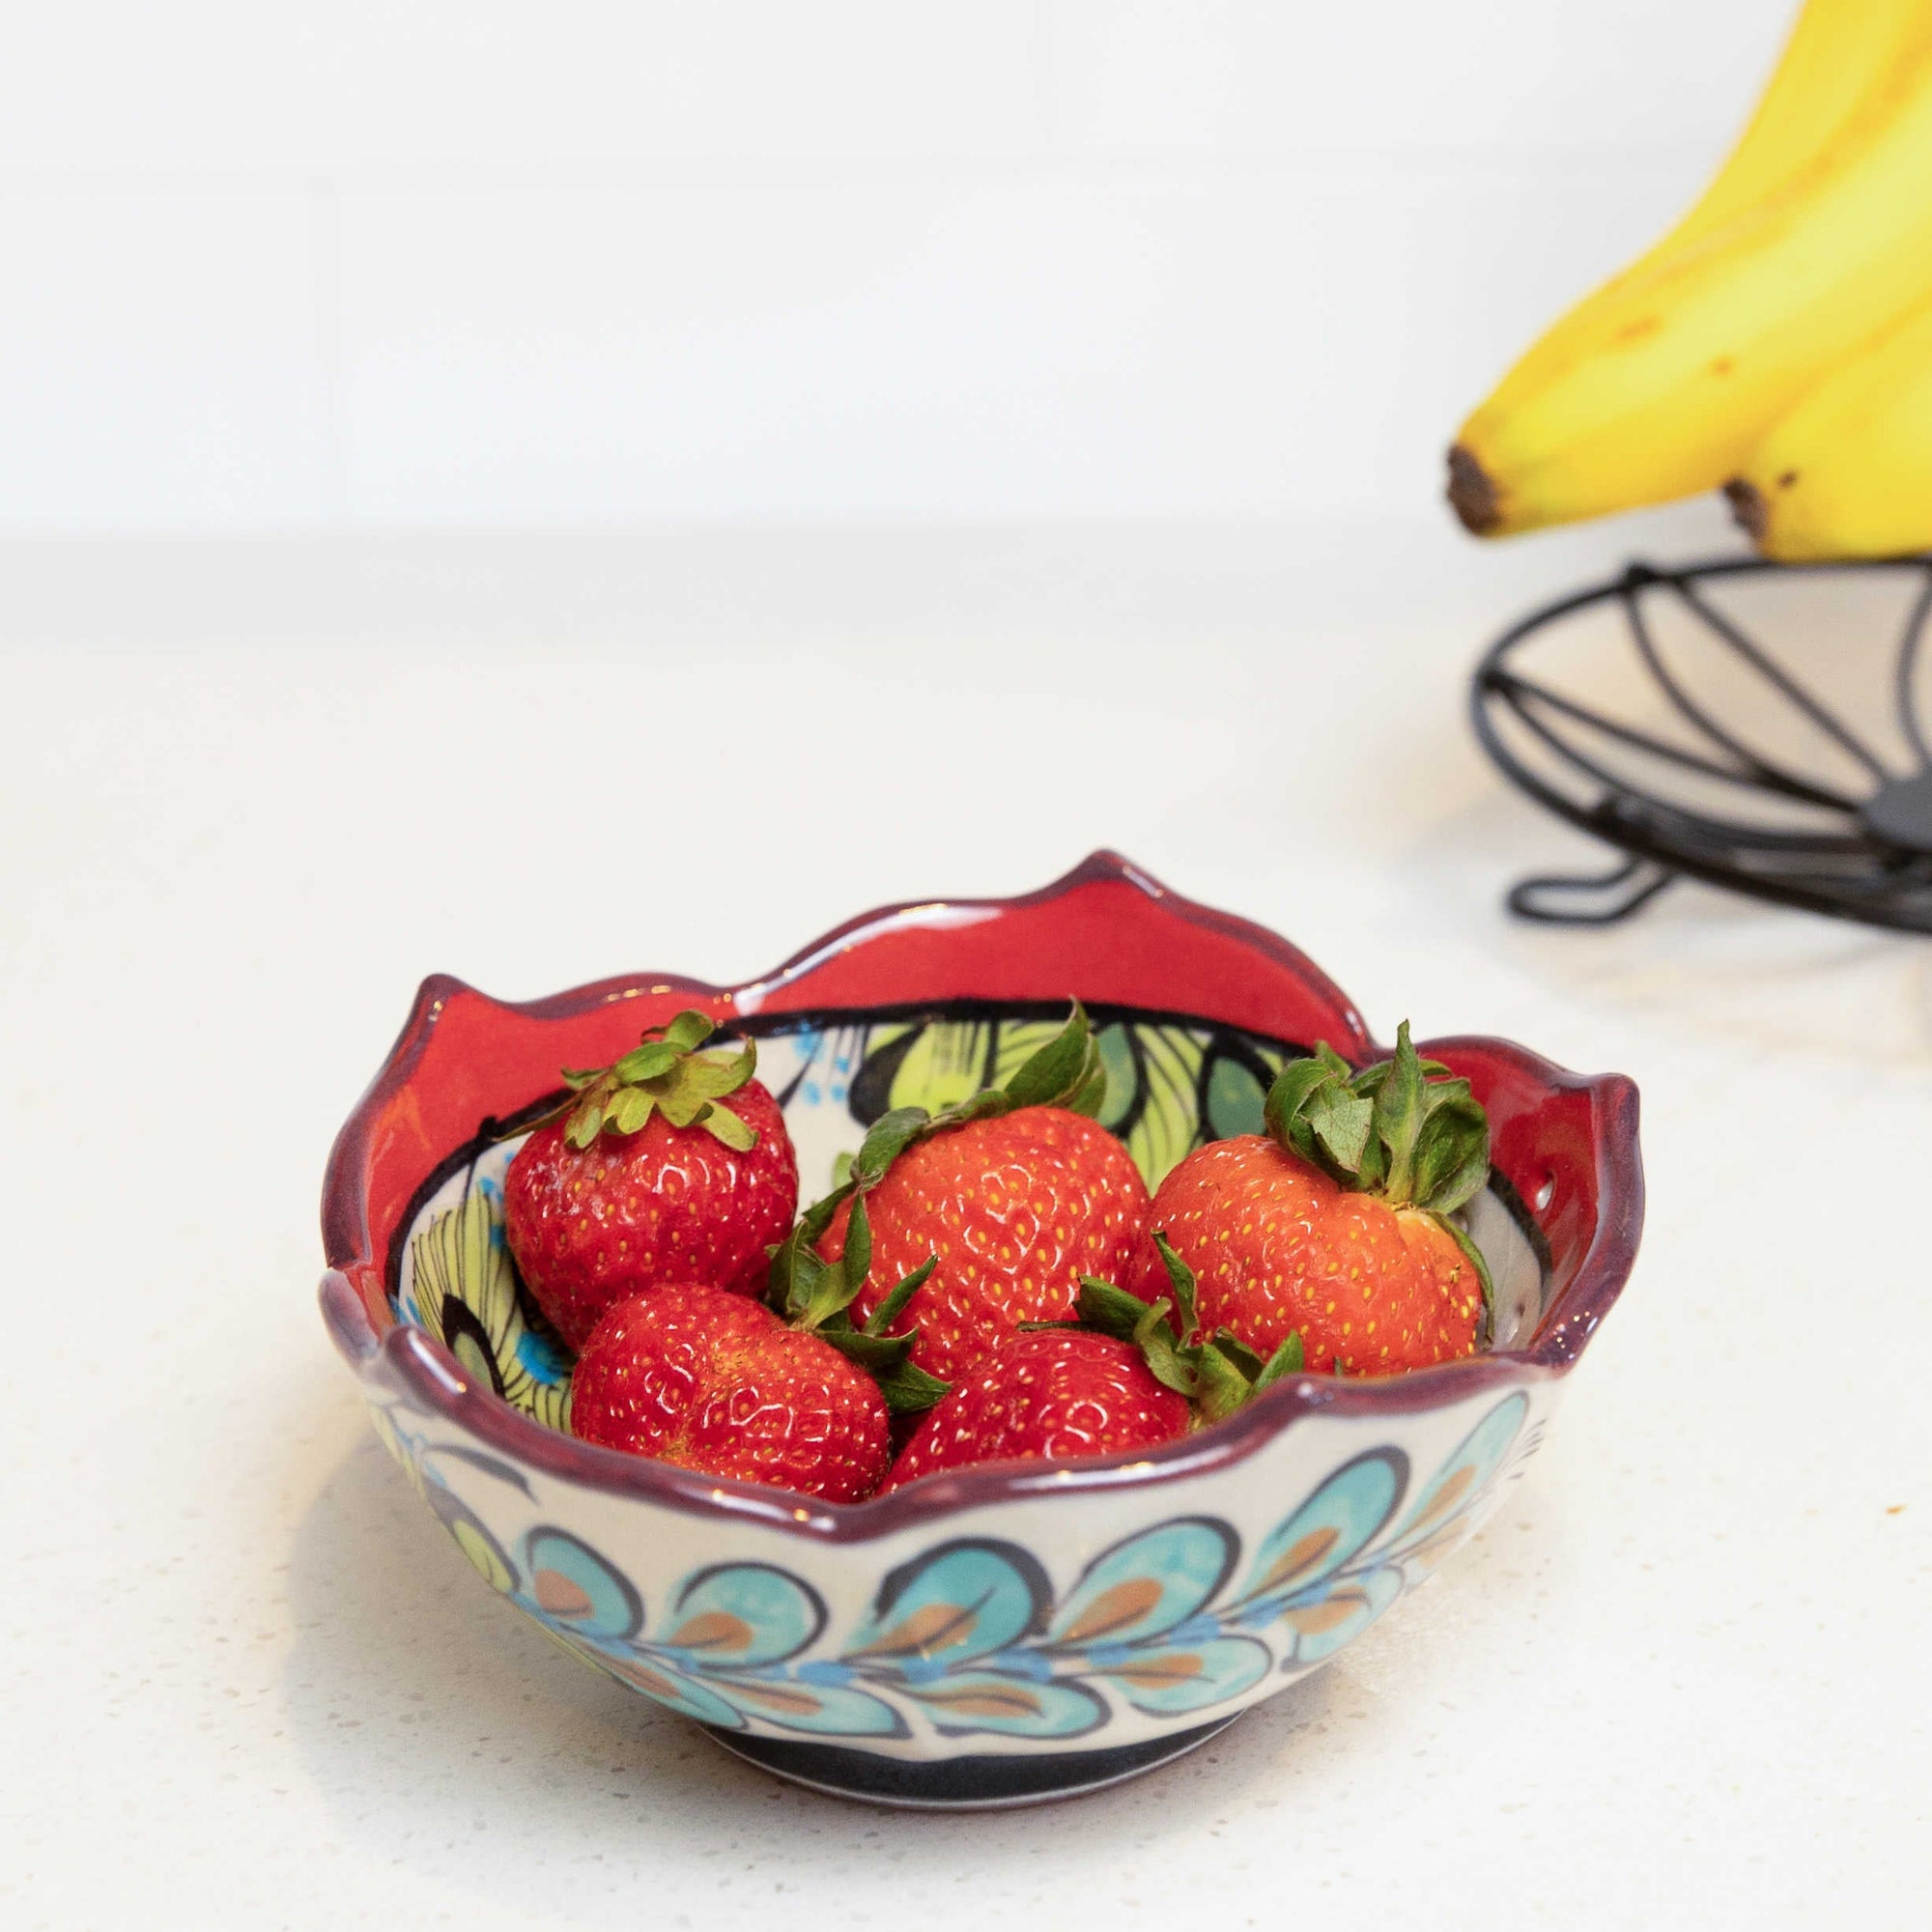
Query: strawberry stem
x=1217, y=1376
x=893, y=1306
x=1406, y=1130
x=818, y=1298
x=665, y=1074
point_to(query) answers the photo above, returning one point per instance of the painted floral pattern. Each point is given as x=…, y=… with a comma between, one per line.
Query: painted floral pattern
x=1170, y=1085
x=969, y=1637
x=465, y=1291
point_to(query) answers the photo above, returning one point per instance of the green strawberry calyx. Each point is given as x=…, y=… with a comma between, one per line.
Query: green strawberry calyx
x=817, y=1296
x=665, y=1074
x=1406, y=1130
x=1218, y=1374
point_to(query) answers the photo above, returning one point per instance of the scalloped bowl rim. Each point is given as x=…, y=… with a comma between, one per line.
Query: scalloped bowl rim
x=427, y=1370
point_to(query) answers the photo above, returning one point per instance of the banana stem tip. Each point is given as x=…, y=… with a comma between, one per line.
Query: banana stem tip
x=1473, y=496
x=1749, y=509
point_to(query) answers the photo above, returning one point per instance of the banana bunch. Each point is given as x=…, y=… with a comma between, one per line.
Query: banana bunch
x=1777, y=342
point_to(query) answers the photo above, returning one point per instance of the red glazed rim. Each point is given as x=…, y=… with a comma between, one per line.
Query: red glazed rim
x=1146, y=926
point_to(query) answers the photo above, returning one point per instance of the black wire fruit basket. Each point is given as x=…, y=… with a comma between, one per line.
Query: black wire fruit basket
x=1696, y=737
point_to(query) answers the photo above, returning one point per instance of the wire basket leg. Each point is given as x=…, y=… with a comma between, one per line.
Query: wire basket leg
x=1554, y=899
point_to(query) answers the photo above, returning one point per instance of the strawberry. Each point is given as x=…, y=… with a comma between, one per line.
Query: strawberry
x=712, y=1381
x=1333, y=1227
x=1045, y=1392
x=1124, y=1379
x=1014, y=1195
x=647, y=1175
x=1015, y=1210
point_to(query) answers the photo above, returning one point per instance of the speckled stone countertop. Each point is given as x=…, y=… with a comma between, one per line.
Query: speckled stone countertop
x=254, y=793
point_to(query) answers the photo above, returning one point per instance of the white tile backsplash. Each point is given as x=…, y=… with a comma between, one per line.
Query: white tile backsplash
x=368, y=84
x=1487, y=76
x=1031, y=258
x=1265, y=343
x=158, y=361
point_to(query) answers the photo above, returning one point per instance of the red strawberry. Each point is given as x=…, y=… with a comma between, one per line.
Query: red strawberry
x=1016, y=1208
x=651, y=1178
x=710, y=1380
x=1047, y=1392
x=1127, y=1378
x=1333, y=1226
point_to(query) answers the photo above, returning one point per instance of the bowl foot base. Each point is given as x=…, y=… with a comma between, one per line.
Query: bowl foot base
x=958, y=1783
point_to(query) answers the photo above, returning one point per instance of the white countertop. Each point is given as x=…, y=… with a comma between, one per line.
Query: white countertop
x=253, y=792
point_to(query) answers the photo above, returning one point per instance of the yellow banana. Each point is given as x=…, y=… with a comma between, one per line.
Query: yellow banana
x=1672, y=385
x=1848, y=471
x=1835, y=57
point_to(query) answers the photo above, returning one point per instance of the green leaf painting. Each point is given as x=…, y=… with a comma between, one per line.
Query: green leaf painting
x=1170, y=1085
x=467, y=1295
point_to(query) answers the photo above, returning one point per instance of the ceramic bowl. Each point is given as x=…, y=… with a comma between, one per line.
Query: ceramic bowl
x=1002, y=1633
